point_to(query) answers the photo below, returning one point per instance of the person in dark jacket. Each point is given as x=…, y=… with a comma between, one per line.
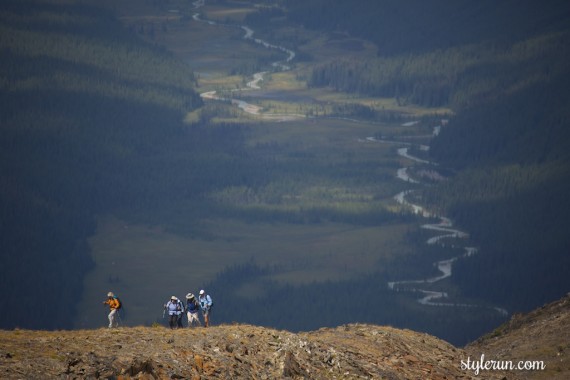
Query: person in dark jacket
x=192, y=308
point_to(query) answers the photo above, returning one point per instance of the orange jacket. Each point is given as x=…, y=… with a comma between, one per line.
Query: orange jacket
x=113, y=303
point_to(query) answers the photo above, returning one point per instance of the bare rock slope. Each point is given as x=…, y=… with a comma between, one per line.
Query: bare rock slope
x=230, y=352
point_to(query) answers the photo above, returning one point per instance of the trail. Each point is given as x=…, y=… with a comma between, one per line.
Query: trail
x=254, y=84
x=444, y=226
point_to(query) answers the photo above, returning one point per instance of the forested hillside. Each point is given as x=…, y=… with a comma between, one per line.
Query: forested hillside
x=502, y=68
x=460, y=76
x=417, y=26
x=512, y=191
x=83, y=105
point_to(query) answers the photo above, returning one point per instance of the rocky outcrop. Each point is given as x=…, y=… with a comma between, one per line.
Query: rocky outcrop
x=229, y=352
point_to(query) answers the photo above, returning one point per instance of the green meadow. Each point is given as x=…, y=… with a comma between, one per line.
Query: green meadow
x=147, y=265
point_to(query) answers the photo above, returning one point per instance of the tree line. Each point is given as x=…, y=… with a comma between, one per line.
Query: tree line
x=459, y=77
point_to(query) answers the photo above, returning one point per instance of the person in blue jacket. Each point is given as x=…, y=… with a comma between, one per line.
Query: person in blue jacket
x=192, y=309
x=206, y=306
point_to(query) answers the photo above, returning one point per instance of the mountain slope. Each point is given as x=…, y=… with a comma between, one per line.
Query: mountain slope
x=542, y=334
x=353, y=351
x=237, y=351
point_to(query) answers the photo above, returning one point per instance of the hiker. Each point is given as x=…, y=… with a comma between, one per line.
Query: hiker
x=114, y=306
x=206, y=306
x=174, y=311
x=192, y=308
x=179, y=312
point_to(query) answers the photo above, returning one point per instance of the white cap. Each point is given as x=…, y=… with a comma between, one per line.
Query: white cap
x=110, y=294
x=173, y=298
x=202, y=292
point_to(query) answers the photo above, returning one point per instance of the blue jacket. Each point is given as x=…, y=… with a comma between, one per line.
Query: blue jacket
x=192, y=306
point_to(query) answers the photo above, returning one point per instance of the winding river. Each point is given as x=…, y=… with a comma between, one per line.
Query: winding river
x=444, y=226
x=282, y=65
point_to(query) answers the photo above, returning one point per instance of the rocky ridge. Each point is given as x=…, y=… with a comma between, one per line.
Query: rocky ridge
x=230, y=352
x=354, y=351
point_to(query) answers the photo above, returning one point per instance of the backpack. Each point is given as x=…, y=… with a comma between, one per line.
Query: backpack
x=206, y=299
x=120, y=303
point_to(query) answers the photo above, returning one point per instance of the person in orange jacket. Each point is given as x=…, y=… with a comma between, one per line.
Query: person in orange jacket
x=114, y=305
